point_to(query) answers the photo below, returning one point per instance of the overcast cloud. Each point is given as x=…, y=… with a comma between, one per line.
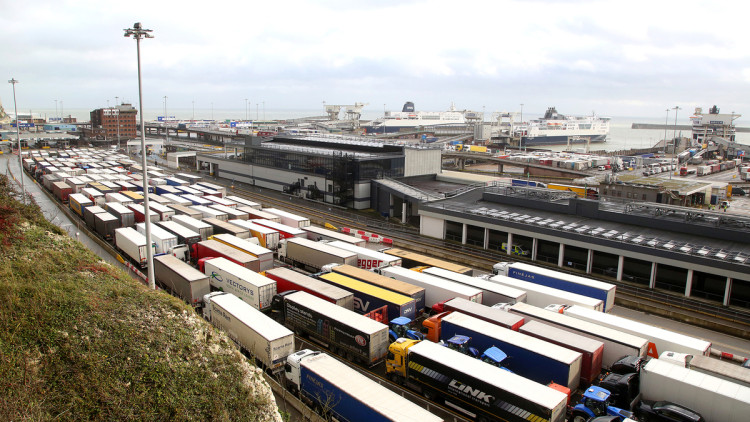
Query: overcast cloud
x=624, y=58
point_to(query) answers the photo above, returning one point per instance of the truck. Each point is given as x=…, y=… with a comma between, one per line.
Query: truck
x=176, y=199
x=659, y=339
x=288, y=279
x=132, y=244
x=616, y=343
x=590, y=350
x=471, y=148
x=195, y=199
x=258, y=335
x=436, y=289
x=185, y=236
x=118, y=197
x=220, y=189
x=285, y=232
x=369, y=277
x=181, y=279
x=492, y=293
x=140, y=214
x=180, y=209
x=477, y=310
x=105, y=224
x=412, y=259
x=165, y=213
x=78, y=202
x=535, y=359
x=62, y=191
x=346, y=333
x=288, y=218
x=344, y=394
x=313, y=255
x=542, y=296
x=88, y=215
x=316, y=233
x=256, y=214
x=218, y=200
x=249, y=246
x=368, y=297
x=222, y=226
x=711, y=366
x=559, y=280
x=166, y=242
x=244, y=202
x=209, y=212
x=123, y=213
x=94, y=195
x=203, y=229
x=714, y=398
x=475, y=389
x=226, y=276
x=367, y=259
x=268, y=238
x=214, y=249
x=232, y=212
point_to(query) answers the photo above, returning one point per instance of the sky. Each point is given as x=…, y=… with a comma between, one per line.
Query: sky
x=624, y=58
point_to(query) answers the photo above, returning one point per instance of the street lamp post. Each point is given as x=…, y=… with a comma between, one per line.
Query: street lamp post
x=13, y=82
x=166, y=120
x=55, y=108
x=137, y=32
x=117, y=104
x=245, y=109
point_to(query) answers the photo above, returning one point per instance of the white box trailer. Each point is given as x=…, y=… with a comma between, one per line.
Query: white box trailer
x=223, y=226
x=660, y=340
x=318, y=233
x=712, y=366
x=258, y=214
x=217, y=200
x=132, y=244
x=306, y=253
x=177, y=199
x=232, y=212
x=165, y=213
x=535, y=359
x=542, y=296
x=181, y=279
x=209, y=212
x=221, y=189
x=204, y=229
x=164, y=240
x=288, y=279
x=288, y=218
x=717, y=400
x=258, y=334
x=244, y=202
x=367, y=259
x=267, y=237
x=118, y=197
x=559, y=280
x=616, y=343
x=186, y=210
x=492, y=293
x=436, y=289
x=251, y=287
x=122, y=212
x=265, y=256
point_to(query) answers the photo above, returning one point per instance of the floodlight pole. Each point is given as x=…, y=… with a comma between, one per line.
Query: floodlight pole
x=13, y=81
x=117, y=104
x=137, y=32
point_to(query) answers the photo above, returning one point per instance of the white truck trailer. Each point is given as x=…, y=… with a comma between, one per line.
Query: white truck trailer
x=204, y=229
x=542, y=296
x=437, y=290
x=313, y=255
x=288, y=218
x=268, y=238
x=262, y=338
x=660, y=340
x=265, y=256
x=616, y=343
x=717, y=400
x=251, y=287
x=132, y=244
x=718, y=368
x=367, y=259
x=164, y=240
x=492, y=293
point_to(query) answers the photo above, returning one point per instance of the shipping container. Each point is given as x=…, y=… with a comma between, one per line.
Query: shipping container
x=251, y=287
x=616, y=343
x=436, y=289
x=542, y=296
x=590, y=350
x=532, y=358
x=492, y=293
x=415, y=292
x=288, y=279
x=412, y=259
x=368, y=297
x=559, y=280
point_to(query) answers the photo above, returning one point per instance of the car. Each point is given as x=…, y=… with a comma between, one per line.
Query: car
x=612, y=272
x=666, y=411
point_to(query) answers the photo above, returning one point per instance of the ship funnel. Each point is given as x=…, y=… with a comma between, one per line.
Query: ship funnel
x=408, y=107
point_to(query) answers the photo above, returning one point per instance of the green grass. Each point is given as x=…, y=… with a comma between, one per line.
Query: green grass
x=80, y=340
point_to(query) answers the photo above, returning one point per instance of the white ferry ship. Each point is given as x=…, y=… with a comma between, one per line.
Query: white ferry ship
x=559, y=129
x=408, y=118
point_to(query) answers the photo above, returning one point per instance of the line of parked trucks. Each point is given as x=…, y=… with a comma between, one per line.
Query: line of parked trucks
x=487, y=363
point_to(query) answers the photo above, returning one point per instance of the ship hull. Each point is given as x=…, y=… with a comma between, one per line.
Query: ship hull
x=560, y=140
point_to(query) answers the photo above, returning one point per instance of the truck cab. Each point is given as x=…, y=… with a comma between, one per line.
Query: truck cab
x=596, y=402
x=501, y=268
x=207, y=304
x=292, y=371
x=432, y=326
x=395, y=361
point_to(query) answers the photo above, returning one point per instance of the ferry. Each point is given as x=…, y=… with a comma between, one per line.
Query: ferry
x=409, y=119
x=559, y=129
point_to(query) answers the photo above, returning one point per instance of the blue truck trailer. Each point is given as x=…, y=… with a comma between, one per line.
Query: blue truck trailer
x=346, y=395
x=368, y=297
x=532, y=358
x=559, y=280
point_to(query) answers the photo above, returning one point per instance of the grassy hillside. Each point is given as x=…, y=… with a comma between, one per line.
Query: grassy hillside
x=80, y=340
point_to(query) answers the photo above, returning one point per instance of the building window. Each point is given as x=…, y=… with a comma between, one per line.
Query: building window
x=644, y=197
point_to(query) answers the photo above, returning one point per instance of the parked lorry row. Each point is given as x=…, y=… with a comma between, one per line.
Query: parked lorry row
x=542, y=296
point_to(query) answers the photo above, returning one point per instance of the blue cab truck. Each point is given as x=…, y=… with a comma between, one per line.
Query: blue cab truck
x=559, y=280
x=528, y=357
x=338, y=392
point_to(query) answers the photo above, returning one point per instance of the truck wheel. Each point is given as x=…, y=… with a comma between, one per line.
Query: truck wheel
x=429, y=395
x=580, y=417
